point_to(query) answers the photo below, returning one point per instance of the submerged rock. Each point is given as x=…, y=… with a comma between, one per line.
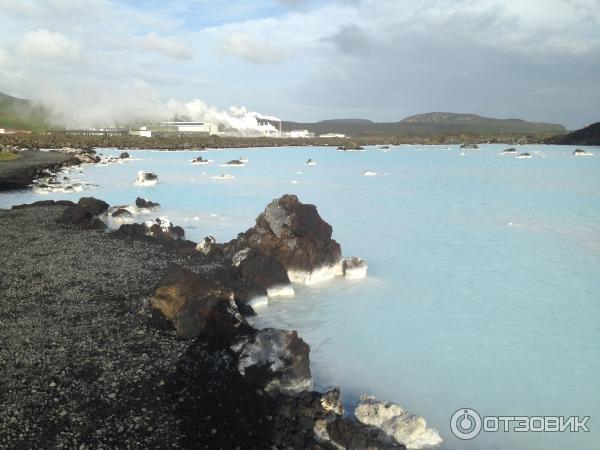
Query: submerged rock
x=235, y=162
x=294, y=234
x=197, y=306
x=404, y=428
x=275, y=360
x=524, y=156
x=122, y=213
x=200, y=161
x=580, y=152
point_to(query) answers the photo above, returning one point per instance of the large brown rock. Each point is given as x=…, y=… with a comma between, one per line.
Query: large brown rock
x=93, y=205
x=197, y=306
x=264, y=271
x=293, y=233
x=81, y=218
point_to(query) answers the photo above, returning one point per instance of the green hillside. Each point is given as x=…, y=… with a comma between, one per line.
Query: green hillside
x=429, y=124
x=589, y=135
x=19, y=114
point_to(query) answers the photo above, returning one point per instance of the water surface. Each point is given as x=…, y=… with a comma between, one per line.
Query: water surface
x=483, y=287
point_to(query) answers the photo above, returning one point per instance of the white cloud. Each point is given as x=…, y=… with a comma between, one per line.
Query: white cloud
x=378, y=58
x=4, y=57
x=252, y=49
x=44, y=44
x=167, y=46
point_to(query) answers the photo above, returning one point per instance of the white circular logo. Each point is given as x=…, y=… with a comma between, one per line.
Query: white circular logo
x=465, y=423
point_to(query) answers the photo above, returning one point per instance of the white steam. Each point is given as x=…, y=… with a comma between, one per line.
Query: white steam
x=236, y=119
x=136, y=103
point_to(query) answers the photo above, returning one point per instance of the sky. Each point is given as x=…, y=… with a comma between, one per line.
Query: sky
x=100, y=61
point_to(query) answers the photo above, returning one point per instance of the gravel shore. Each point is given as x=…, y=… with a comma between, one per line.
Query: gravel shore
x=134, y=339
x=82, y=365
x=19, y=173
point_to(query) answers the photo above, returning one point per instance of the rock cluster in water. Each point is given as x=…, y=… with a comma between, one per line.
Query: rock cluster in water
x=295, y=235
x=203, y=295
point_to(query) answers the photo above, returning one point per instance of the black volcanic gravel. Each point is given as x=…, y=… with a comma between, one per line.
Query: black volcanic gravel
x=83, y=365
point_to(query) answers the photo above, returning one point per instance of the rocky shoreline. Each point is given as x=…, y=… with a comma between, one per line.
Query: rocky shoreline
x=31, y=165
x=58, y=140
x=137, y=337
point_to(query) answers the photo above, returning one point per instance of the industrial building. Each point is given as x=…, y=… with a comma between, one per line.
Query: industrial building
x=177, y=128
x=297, y=134
x=332, y=135
x=98, y=132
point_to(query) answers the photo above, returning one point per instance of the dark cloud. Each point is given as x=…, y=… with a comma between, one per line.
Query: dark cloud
x=351, y=40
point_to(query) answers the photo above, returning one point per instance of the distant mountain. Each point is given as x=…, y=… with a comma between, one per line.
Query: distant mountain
x=21, y=114
x=485, y=124
x=434, y=123
x=589, y=135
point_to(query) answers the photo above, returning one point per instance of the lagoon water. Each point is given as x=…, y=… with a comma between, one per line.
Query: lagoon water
x=484, y=272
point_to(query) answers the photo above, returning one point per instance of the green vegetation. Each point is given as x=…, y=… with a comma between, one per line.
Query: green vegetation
x=9, y=156
x=19, y=114
x=589, y=135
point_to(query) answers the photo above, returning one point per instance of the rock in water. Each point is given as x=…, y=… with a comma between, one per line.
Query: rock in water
x=124, y=155
x=144, y=203
x=122, y=213
x=146, y=178
x=347, y=434
x=397, y=423
x=354, y=267
x=275, y=360
x=197, y=306
x=294, y=234
x=263, y=270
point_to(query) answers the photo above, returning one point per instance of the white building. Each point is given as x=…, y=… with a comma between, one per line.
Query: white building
x=193, y=127
x=2, y=131
x=332, y=135
x=297, y=134
x=176, y=127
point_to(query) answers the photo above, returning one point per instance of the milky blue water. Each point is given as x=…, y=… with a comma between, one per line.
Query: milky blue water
x=484, y=272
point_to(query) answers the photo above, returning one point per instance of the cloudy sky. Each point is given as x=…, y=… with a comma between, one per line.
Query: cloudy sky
x=307, y=60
